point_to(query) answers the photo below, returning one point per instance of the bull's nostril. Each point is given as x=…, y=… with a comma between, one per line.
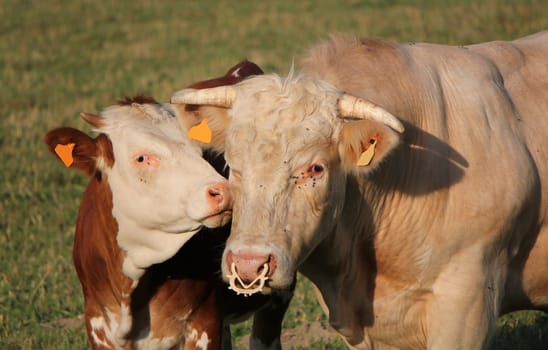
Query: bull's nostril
x=249, y=265
x=271, y=264
x=229, y=258
x=261, y=268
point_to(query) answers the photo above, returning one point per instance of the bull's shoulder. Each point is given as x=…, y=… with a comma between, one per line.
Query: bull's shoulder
x=363, y=67
x=344, y=51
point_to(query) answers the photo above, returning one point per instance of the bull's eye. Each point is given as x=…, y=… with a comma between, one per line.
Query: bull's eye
x=316, y=168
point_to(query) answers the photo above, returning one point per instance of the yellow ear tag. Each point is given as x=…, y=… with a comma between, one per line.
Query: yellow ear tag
x=200, y=132
x=367, y=155
x=65, y=153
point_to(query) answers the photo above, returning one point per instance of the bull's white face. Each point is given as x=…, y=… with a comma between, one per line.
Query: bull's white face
x=285, y=176
x=159, y=179
x=289, y=155
x=290, y=152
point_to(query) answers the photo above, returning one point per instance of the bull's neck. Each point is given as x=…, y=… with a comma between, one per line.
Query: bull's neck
x=345, y=263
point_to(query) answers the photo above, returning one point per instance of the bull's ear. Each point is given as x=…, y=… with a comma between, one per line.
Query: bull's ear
x=208, y=122
x=364, y=144
x=233, y=76
x=77, y=150
x=244, y=69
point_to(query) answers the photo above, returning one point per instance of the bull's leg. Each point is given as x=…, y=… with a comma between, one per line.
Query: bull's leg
x=466, y=299
x=267, y=322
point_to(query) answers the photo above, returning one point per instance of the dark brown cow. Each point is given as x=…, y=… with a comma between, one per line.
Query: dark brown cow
x=150, y=281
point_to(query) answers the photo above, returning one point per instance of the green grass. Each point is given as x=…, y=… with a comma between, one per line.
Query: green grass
x=58, y=58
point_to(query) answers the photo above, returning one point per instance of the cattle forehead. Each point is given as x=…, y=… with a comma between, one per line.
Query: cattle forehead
x=156, y=119
x=280, y=116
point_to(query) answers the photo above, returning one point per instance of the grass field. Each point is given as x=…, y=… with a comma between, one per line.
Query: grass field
x=58, y=58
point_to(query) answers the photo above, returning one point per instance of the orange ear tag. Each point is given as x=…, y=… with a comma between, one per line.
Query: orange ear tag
x=200, y=132
x=65, y=153
x=367, y=155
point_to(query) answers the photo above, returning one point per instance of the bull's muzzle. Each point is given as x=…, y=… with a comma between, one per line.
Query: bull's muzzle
x=248, y=272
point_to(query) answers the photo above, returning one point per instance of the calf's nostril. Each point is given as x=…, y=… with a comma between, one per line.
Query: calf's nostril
x=218, y=194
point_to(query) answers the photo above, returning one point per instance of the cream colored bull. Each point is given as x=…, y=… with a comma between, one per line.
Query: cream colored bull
x=415, y=238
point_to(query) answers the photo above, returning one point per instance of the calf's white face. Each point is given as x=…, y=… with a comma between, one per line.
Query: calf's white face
x=289, y=153
x=159, y=179
x=163, y=191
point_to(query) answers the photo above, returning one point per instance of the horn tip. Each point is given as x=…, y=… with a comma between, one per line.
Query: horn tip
x=399, y=128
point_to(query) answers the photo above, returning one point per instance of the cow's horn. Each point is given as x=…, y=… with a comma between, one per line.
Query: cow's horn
x=95, y=120
x=221, y=96
x=352, y=106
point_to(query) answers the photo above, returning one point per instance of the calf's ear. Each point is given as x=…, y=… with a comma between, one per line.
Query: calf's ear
x=77, y=150
x=364, y=144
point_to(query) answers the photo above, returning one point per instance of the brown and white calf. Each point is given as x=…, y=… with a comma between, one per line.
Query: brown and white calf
x=149, y=272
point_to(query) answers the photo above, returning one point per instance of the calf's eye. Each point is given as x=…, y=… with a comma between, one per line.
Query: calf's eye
x=140, y=159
